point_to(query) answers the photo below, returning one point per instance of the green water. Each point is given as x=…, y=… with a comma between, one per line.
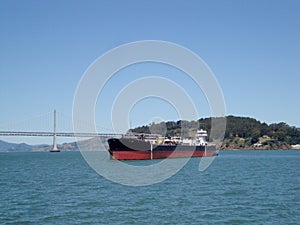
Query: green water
x=240, y=187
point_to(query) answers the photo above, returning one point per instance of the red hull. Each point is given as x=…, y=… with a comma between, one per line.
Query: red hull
x=146, y=155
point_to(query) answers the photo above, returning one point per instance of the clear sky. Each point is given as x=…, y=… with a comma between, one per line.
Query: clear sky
x=253, y=48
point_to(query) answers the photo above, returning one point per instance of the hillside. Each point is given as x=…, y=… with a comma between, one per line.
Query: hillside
x=241, y=132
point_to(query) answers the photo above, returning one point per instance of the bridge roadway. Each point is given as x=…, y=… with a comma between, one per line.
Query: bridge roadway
x=58, y=134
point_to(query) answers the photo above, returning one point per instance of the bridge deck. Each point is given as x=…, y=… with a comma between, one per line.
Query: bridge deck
x=59, y=134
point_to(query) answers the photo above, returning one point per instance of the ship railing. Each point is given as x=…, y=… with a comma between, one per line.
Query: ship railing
x=141, y=135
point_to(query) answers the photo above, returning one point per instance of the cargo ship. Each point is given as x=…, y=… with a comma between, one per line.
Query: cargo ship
x=148, y=147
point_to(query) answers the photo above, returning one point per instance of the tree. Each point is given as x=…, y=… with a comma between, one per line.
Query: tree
x=254, y=140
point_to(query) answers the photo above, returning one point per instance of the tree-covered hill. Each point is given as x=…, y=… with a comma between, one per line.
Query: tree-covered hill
x=241, y=132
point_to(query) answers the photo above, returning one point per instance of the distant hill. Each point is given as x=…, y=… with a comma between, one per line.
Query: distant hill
x=241, y=132
x=91, y=144
x=22, y=147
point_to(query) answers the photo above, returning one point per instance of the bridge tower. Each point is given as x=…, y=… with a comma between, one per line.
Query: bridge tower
x=54, y=149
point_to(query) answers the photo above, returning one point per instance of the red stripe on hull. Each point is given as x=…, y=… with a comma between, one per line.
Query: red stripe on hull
x=131, y=155
x=144, y=155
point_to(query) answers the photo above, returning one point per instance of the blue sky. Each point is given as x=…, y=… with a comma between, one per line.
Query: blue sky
x=253, y=48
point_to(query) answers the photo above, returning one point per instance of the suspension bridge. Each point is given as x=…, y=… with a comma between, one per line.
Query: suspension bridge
x=11, y=130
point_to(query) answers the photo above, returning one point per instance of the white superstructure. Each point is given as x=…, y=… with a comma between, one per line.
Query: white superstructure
x=201, y=137
x=155, y=139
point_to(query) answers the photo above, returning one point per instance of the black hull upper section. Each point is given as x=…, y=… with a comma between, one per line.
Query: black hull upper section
x=128, y=144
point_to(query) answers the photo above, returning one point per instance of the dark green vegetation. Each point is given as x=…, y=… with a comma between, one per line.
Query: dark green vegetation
x=241, y=132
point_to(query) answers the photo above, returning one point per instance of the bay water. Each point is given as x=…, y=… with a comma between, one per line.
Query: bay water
x=240, y=187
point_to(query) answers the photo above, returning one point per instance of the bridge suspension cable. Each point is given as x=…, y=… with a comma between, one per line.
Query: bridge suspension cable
x=40, y=122
x=43, y=124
